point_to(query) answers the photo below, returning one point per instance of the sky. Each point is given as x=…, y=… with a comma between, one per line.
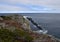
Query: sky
x=30, y=5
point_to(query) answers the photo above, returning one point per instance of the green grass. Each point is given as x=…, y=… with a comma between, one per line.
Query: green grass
x=8, y=36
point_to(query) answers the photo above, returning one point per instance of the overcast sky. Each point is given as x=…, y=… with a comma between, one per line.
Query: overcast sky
x=30, y=5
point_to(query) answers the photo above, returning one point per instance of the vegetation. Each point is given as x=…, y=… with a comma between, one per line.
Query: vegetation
x=6, y=17
x=25, y=35
x=16, y=36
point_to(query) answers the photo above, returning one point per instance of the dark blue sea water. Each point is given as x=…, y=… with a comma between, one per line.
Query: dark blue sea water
x=49, y=21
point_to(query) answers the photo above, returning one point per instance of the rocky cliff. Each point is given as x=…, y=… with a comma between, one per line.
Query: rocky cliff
x=14, y=28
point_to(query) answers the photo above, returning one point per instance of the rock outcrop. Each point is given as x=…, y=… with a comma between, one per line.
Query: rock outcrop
x=14, y=28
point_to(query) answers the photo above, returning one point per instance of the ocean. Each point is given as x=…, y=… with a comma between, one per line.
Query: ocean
x=48, y=21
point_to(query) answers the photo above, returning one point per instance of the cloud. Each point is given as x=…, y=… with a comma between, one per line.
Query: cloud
x=30, y=5
x=50, y=3
x=11, y=8
x=23, y=7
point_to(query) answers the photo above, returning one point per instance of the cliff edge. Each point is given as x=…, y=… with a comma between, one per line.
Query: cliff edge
x=14, y=28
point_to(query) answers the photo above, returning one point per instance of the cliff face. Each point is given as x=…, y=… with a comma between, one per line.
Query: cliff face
x=13, y=21
x=14, y=28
